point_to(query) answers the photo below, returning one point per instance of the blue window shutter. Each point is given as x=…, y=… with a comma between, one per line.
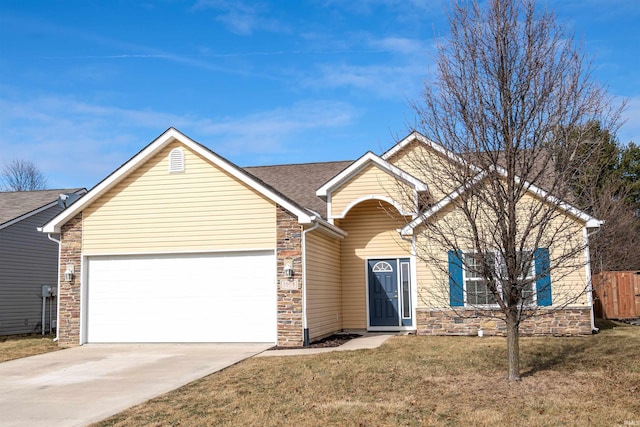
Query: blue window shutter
x=543, y=277
x=456, y=285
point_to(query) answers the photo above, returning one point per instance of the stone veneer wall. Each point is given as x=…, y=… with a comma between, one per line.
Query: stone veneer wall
x=289, y=247
x=69, y=292
x=568, y=321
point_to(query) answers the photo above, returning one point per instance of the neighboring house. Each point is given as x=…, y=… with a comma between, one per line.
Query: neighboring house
x=28, y=260
x=180, y=245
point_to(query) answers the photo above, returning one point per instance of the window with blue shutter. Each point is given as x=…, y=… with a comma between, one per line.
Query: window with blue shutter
x=543, y=277
x=456, y=283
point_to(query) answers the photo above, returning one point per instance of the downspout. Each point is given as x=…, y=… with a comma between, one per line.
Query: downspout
x=587, y=255
x=304, y=283
x=58, y=285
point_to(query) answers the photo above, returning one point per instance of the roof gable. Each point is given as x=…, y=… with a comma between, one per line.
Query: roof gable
x=415, y=136
x=418, y=137
x=362, y=163
x=590, y=222
x=147, y=153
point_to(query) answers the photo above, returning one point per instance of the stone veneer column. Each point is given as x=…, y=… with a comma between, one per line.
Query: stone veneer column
x=289, y=248
x=69, y=292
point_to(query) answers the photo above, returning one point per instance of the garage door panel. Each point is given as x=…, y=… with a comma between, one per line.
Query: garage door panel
x=182, y=298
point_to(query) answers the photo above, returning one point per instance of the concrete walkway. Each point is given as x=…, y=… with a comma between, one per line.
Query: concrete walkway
x=81, y=385
x=368, y=340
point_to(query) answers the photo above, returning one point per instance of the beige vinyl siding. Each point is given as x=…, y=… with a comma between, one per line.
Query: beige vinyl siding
x=202, y=208
x=568, y=281
x=324, y=288
x=372, y=234
x=428, y=166
x=370, y=181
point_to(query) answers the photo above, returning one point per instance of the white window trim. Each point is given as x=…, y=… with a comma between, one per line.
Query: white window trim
x=531, y=276
x=402, y=300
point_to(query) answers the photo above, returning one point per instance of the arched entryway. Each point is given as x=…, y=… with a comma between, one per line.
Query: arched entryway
x=375, y=300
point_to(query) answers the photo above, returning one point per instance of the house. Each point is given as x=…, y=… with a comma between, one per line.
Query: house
x=181, y=245
x=28, y=261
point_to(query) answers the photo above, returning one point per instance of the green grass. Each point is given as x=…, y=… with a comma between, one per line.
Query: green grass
x=414, y=381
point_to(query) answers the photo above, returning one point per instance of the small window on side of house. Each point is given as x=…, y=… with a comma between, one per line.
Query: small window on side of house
x=176, y=160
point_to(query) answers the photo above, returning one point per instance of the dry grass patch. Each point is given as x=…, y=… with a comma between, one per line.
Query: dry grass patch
x=418, y=381
x=18, y=346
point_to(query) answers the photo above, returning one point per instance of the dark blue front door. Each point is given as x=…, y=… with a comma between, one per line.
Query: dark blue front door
x=383, y=293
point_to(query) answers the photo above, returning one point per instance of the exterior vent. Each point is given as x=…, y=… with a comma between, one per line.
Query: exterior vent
x=176, y=160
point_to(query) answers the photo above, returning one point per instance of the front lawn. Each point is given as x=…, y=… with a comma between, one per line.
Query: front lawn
x=18, y=346
x=418, y=381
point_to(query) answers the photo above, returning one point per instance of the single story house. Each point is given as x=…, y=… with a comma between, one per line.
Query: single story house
x=181, y=245
x=28, y=261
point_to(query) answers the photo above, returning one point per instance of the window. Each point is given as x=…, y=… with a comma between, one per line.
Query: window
x=176, y=160
x=480, y=271
x=468, y=286
x=406, y=290
x=527, y=280
x=382, y=266
x=477, y=289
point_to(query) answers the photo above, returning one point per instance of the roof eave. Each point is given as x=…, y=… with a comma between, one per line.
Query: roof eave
x=360, y=164
x=170, y=135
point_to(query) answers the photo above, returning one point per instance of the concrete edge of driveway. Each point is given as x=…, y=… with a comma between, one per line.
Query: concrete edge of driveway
x=86, y=384
x=367, y=341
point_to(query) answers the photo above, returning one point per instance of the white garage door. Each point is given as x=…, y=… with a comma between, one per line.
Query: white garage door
x=182, y=298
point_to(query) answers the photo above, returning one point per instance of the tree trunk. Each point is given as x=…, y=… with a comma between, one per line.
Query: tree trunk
x=513, y=349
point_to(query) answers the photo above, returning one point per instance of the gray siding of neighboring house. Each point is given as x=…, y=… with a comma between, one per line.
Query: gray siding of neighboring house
x=28, y=260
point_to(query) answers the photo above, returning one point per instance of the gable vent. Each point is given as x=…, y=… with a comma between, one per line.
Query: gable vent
x=176, y=160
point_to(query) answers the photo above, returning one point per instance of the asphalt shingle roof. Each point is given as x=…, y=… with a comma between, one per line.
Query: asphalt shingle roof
x=299, y=182
x=14, y=204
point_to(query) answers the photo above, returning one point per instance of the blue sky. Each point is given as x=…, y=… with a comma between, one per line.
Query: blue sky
x=84, y=85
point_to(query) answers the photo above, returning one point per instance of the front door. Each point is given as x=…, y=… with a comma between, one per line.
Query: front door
x=383, y=293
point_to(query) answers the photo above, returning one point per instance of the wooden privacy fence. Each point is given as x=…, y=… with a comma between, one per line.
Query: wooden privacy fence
x=617, y=294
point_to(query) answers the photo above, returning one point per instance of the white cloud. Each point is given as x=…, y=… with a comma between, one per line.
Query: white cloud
x=243, y=18
x=76, y=143
x=269, y=131
x=389, y=81
x=401, y=45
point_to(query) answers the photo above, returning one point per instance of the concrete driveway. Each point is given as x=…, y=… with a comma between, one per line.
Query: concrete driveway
x=78, y=386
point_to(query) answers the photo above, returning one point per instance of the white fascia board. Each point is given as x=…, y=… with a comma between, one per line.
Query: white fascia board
x=359, y=165
x=159, y=143
x=407, y=230
x=233, y=170
x=56, y=223
x=415, y=135
x=590, y=221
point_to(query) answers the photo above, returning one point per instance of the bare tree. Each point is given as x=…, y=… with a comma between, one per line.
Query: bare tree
x=510, y=85
x=22, y=175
